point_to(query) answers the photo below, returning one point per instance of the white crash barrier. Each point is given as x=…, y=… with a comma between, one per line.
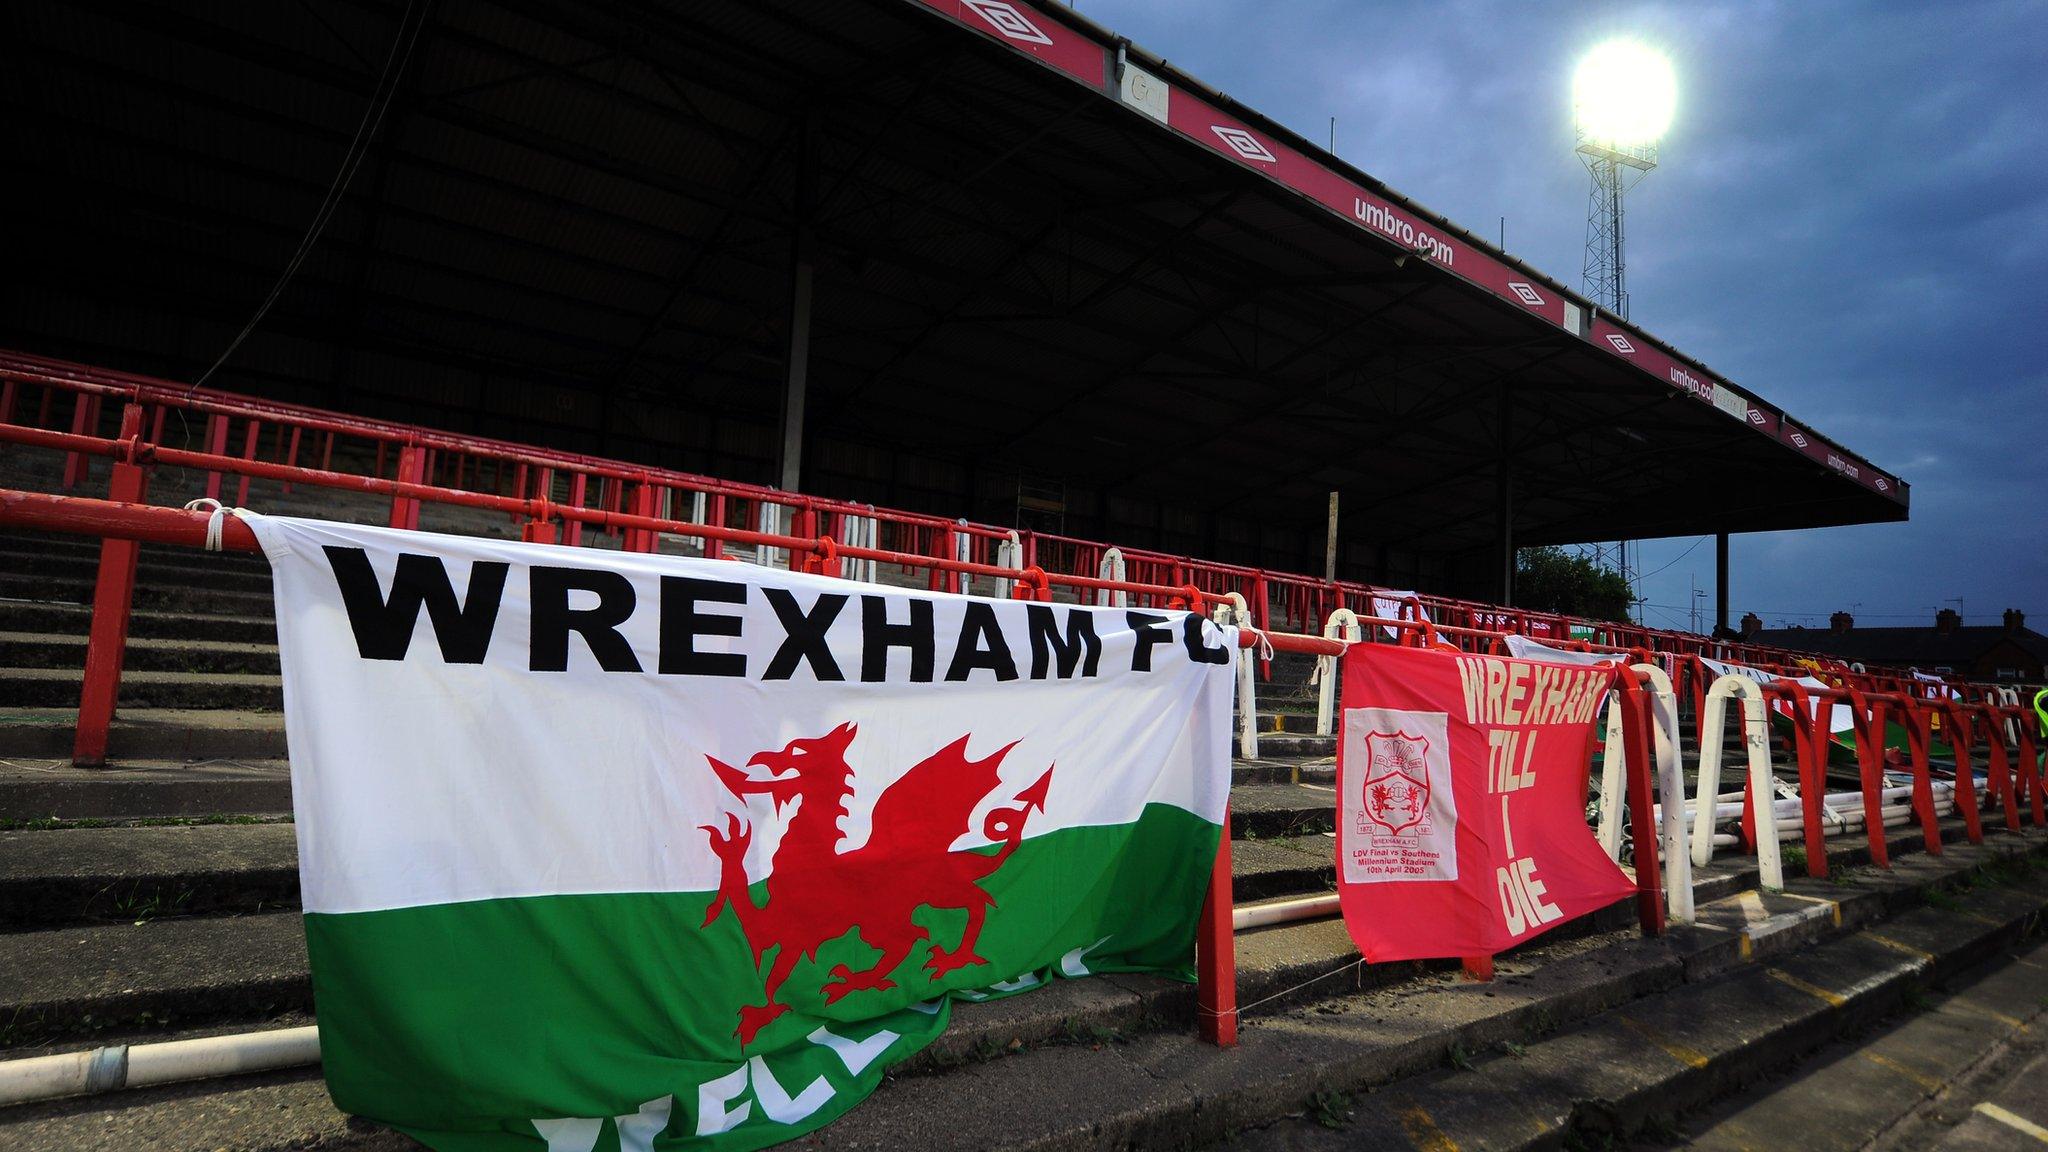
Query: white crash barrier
x=1111, y=568
x=1234, y=611
x=857, y=532
x=1009, y=554
x=1669, y=774
x=1756, y=739
x=1342, y=625
x=772, y=520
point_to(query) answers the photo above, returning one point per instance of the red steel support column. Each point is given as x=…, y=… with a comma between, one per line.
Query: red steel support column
x=1811, y=727
x=1642, y=821
x=715, y=549
x=1959, y=740
x=2030, y=769
x=156, y=424
x=419, y=476
x=1870, y=772
x=248, y=453
x=7, y=390
x=1923, y=778
x=578, y=484
x=74, y=462
x=112, y=595
x=291, y=454
x=2002, y=777
x=327, y=452
x=216, y=445
x=1216, y=951
x=398, y=503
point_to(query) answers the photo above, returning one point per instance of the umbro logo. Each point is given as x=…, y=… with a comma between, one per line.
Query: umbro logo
x=1756, y=417
x=1621, y=344
x=1799, y=439
x=1244, y=144
x=1005, y=18
x=1527, y=293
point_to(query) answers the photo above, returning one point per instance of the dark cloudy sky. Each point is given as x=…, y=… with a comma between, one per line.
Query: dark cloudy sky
x=1851, y=219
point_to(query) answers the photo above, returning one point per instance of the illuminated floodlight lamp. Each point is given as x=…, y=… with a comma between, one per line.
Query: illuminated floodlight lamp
x=1623, y=97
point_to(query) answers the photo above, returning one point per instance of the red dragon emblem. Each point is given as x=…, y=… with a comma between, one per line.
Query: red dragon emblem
x=1396, y=780
x=818, y=892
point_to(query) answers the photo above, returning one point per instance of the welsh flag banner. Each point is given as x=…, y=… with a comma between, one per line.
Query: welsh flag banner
x=1461, y=783
x=604, y=850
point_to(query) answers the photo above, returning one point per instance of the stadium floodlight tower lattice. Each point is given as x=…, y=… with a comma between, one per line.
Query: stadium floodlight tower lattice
x=1623, y=95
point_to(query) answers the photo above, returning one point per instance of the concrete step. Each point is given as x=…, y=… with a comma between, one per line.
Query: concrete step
x=180, y=597
x=197, y=569
x=1642, y=1064
x=52, y=875
x=1296, y=744
x=59, y=688
x=145, y=734
x=1274, y=811
x=57, y=545
x=2011, y=1116
x=153, y=872
x=50, y=619
x=139, y=789
x=40, y=650
x=1164, y=1090
x=1880, y=1088
x=1103, y=1063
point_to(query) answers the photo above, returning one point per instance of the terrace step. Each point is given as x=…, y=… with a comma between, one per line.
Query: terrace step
x=50, y=619
x=1905, y=1084
x=147, y=734
x=141, y=654
x=32, y=790
x=176, y=596
x=1087, y=1071
x=53, y=873
x=1642, y=1064
x=179, y=567
x=59, y=688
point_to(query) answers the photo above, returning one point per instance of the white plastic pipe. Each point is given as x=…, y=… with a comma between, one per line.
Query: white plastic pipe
x=1284, y=911
x=141, y=1065
x=1756, y=740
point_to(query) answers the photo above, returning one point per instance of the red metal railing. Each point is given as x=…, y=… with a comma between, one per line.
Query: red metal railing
x=574, y=480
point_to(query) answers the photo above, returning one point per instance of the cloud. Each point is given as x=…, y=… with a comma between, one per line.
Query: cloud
x=1851, y=218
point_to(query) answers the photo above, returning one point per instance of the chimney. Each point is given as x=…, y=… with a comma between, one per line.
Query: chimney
x=1751, y=624
x=1947, y=621
x=2015, y=621
x=1841, y=622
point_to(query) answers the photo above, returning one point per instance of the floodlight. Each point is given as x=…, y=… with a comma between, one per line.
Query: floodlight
x=1623, y=95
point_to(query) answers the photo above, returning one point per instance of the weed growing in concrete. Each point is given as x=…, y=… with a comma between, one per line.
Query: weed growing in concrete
x=1513, y=1049
x=1915, y=999
x=1944, y=900
x=1793, y=856
x=1459, y=1058
x=1331, y=1108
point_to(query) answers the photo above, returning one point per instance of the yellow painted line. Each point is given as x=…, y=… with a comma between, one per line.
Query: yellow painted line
x=1898, y=946
x=1989, y=1014
x=1927, y=1083
x=2016, y=1123
x=1834, y=906
x=1743, y=946
x=1691, y=1057
x=1422, y=1130
x=1813, y=990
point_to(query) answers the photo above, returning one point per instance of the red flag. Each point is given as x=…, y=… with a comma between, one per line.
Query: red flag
x=1461, y=786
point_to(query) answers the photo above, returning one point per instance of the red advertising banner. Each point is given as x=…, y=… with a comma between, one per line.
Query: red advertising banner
x=1461, y=790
